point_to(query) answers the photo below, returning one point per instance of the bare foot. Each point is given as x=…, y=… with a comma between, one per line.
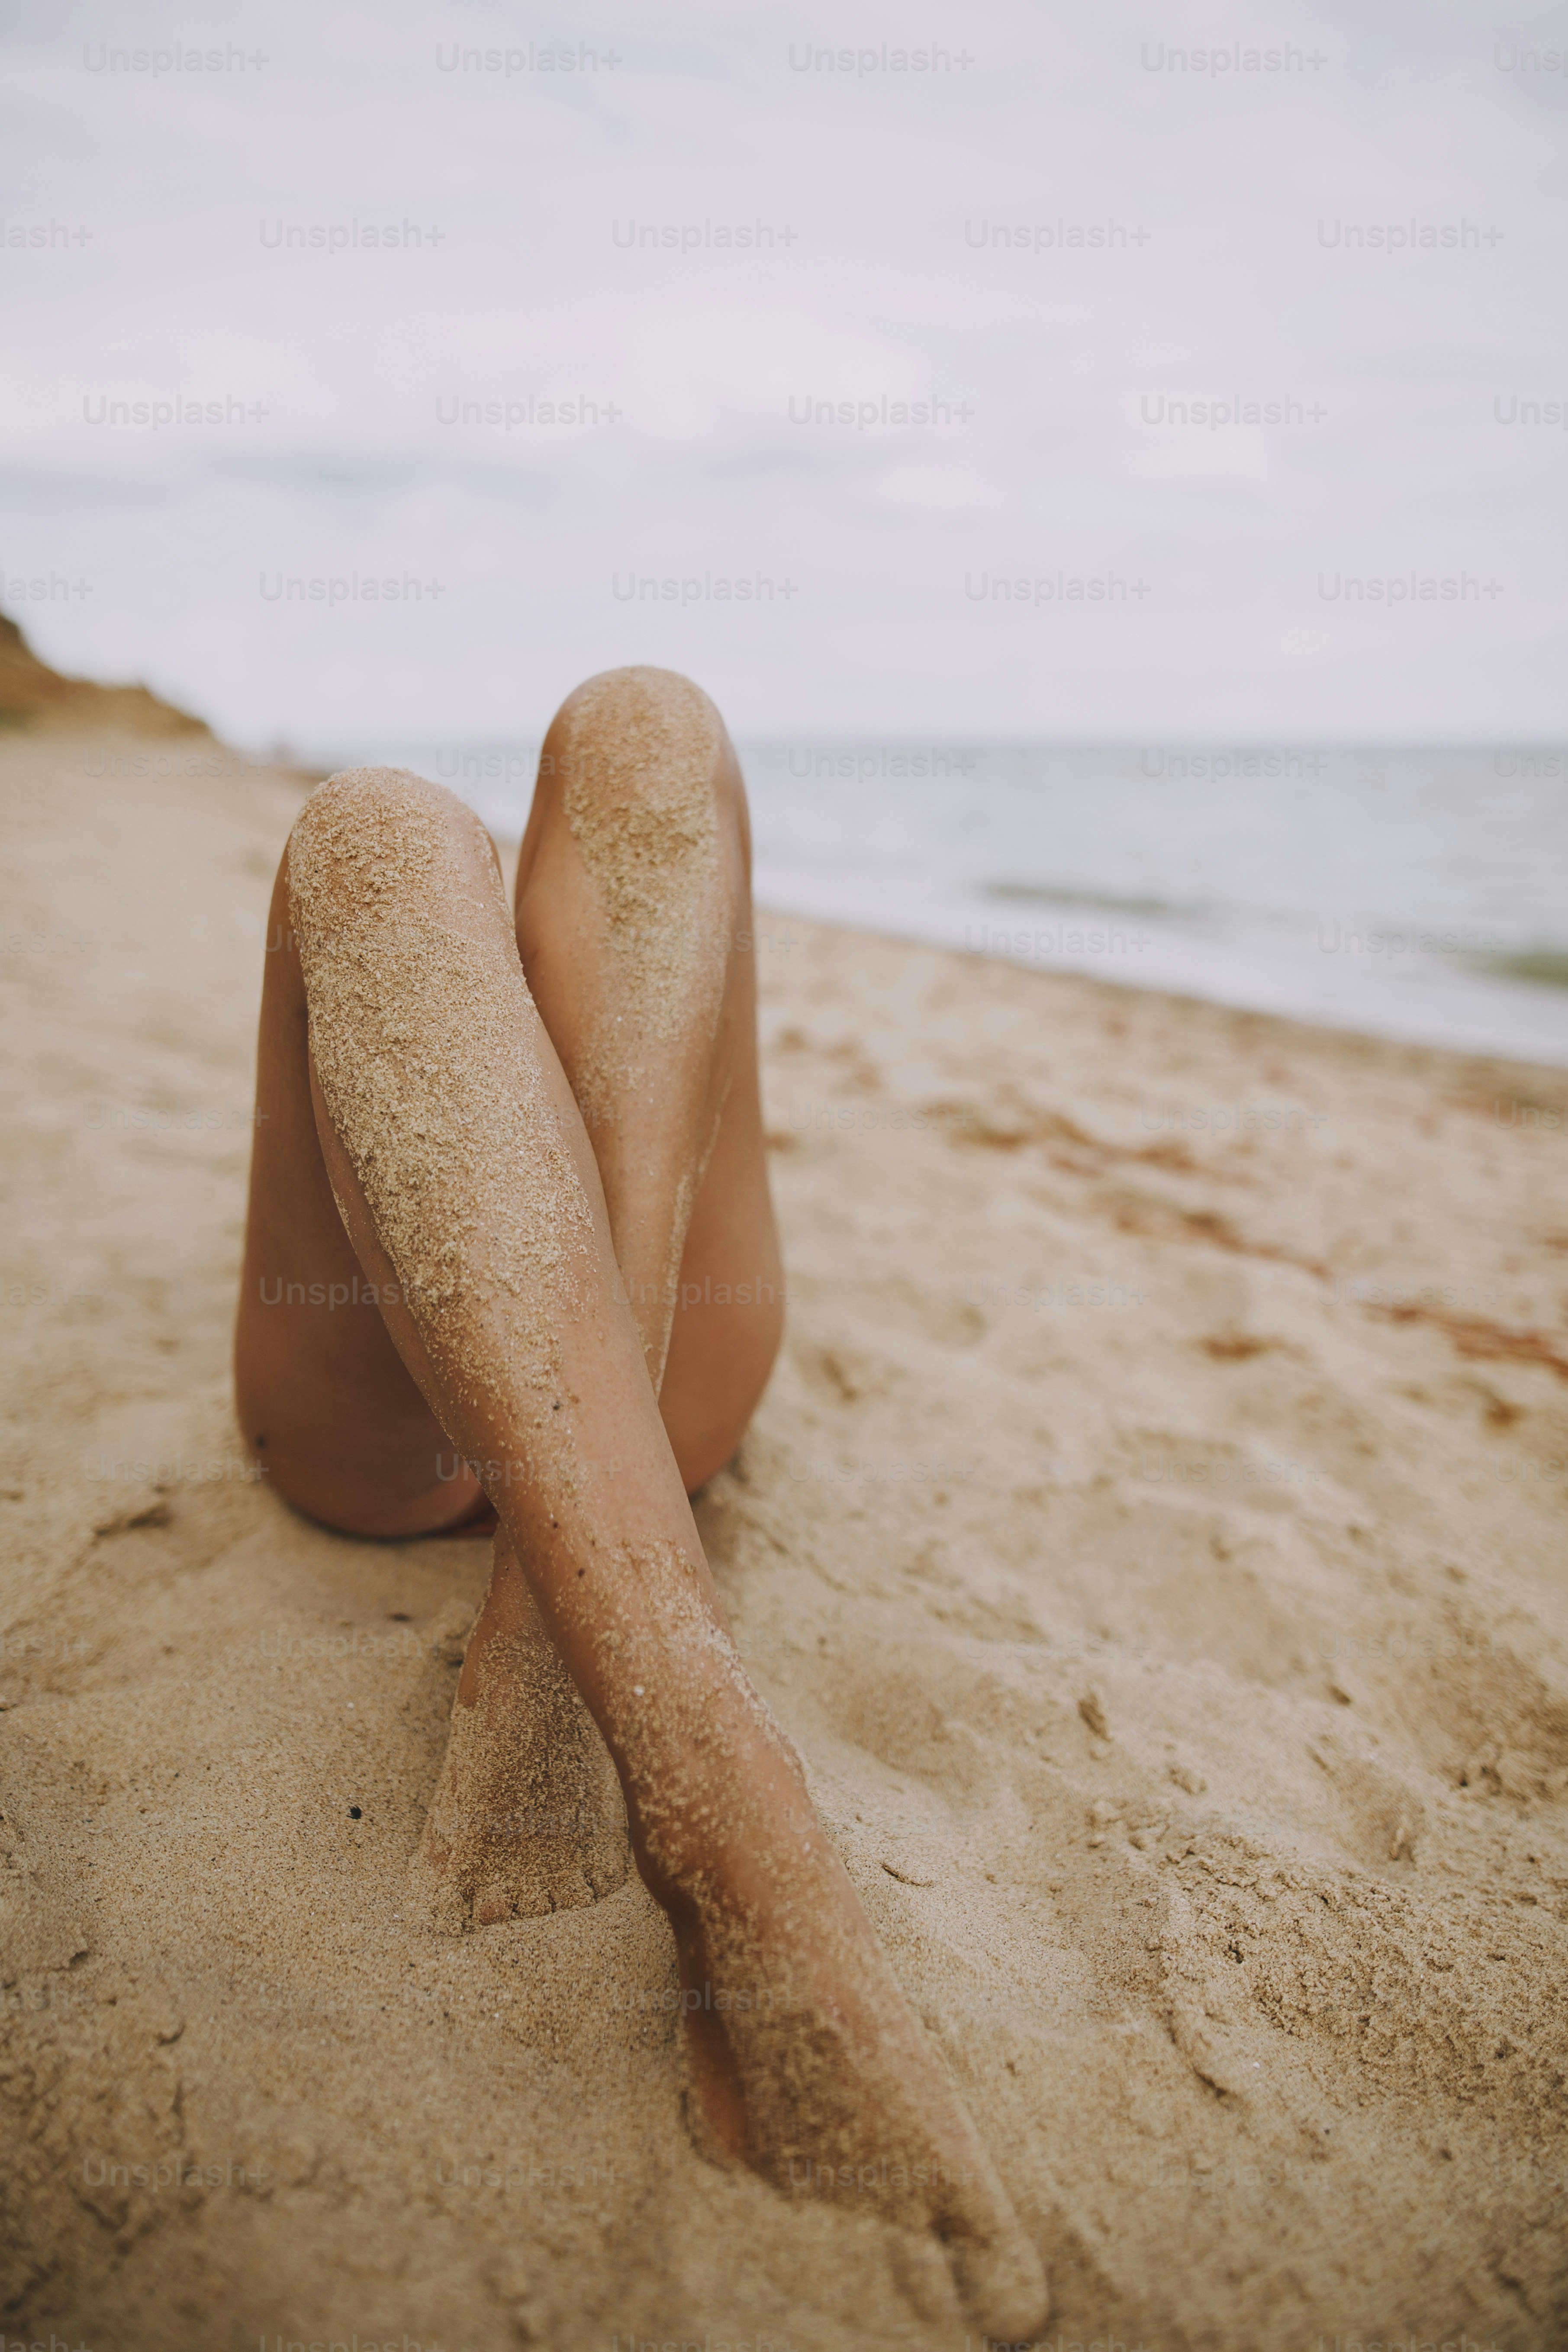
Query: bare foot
x=807, y=2062
x=527, y=1816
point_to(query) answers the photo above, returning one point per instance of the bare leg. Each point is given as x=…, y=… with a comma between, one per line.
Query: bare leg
x=634, y=927
x=633, y=923
x=470, y=1191
x=324, y=1397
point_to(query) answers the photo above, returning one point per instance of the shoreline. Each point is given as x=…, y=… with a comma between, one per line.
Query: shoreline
x=1187, y=1002
x=1124, y=861
x=1320, y=1020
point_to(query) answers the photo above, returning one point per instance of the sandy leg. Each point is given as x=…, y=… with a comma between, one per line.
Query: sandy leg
x=633, y=892
x=831, y=2089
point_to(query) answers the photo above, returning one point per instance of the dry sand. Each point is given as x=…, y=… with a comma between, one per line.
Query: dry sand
x=1166, y=1596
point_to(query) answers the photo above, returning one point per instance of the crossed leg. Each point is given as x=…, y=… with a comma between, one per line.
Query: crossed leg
x=553, y=1191
x=323, y=1392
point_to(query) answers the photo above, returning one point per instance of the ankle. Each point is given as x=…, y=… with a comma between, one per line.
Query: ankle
x=722, y=1838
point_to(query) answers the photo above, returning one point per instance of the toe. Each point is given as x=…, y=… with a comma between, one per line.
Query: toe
x=1003, y=2284
x=569, y=1890
x=494, y=1901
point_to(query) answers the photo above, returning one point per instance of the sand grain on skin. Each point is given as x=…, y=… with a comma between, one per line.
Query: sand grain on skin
x=638, y=752
x=420, y=1035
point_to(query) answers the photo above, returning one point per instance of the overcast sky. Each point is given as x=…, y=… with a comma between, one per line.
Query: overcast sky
x=1225, y=259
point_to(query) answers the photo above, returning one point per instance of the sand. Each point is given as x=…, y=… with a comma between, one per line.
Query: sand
x=1152, y=1538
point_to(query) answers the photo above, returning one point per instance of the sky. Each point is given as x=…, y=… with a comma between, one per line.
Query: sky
x=1064, y=388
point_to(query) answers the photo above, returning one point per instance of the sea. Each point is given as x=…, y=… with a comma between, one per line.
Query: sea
x=1413, y=894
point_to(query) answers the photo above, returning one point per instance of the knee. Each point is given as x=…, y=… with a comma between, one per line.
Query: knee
x=634, y=694
x=358, y=802
x=380, y=831
x=637, y=734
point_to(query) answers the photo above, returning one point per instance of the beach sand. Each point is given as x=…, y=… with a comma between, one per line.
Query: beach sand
x=1152, y=1537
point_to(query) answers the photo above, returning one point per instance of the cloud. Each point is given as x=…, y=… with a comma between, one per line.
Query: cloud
x=367, y=231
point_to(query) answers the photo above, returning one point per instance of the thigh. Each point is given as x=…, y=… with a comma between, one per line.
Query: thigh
x=325, y=1402
x=728, y=1312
